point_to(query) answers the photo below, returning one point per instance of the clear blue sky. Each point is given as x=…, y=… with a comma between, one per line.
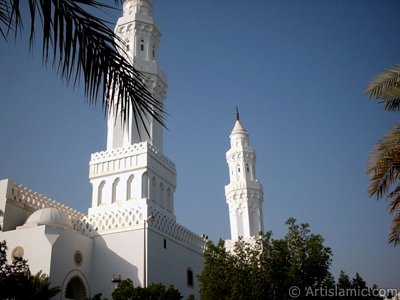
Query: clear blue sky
x=296, y=69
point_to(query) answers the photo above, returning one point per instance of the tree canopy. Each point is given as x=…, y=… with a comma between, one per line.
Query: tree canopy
x=295, y=266
x=155, y=291
x=16, y=281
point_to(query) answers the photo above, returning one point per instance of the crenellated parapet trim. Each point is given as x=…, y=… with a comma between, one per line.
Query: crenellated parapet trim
x=27, y=198
x=133, y=218
x=176, y=231
x=136, y=148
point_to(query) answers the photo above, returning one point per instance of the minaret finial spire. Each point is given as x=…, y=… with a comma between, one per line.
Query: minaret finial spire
x=237, y=113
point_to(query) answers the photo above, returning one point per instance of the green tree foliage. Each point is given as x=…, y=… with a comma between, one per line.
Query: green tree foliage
x=125, y=290
x=267, y=268
x=16, y=281
x=344, y=281
x=98, y=296
x=81, y=47
x=384, y=163
x=355, y=288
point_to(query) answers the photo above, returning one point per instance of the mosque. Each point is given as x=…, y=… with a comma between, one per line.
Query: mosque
x=130, y=230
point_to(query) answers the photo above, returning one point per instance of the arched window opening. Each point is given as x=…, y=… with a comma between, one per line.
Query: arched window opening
x=162, y=195
x=129, y=187
x=189, y=277
x=142, y=45
x=169, y=200
x=115, y=190
x=153, y=191
x=76, y=289
x=100, y=192
x=145, y=185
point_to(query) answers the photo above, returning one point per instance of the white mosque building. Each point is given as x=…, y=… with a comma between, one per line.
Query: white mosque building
x=130, y=230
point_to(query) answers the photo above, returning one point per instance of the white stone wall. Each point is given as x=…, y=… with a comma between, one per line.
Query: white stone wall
x=36, y=246
x=51, y=250
x=63, y=264
x=117, y=254
x=169, y=265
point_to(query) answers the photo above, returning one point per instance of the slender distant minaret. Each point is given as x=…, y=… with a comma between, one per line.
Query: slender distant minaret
x=244, y=193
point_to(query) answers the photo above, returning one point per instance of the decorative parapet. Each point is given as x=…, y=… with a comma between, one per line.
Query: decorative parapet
x=108, y=220
x=155, y=152
x=34, y=201
x=111, y=221
x=120, y=152
x=176, y=231
x=125, y=158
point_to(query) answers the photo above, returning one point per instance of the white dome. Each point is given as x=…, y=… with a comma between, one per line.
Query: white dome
x=49, y=216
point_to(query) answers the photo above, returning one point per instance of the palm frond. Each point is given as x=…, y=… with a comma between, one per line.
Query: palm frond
x=394, y=233
x=85, y=49
x=395, y=197
x=386, y=87
x=10, y=17
x=394, y=208
x=384, y=163
x=4, y=18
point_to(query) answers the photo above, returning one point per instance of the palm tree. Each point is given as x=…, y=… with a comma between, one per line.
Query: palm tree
x=81, y=47
x=41, y=289
x=384, y=163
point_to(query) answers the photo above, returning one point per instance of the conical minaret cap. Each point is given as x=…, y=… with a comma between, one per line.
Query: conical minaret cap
x=238, y=128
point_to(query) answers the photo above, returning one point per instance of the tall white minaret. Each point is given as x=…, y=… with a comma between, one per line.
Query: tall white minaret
x=244, y=193
x=133, y=173
x=141, y=38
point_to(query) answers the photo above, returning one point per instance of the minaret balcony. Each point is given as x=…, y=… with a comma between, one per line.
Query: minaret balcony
x=242, y=185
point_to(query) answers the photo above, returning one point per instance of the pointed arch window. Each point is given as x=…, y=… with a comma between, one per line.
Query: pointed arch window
x=162, y=195
x=115, y=190
x=145, y=185
x=153, y=191
x=100, y=192
x=169, y=200
x=129, y=187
